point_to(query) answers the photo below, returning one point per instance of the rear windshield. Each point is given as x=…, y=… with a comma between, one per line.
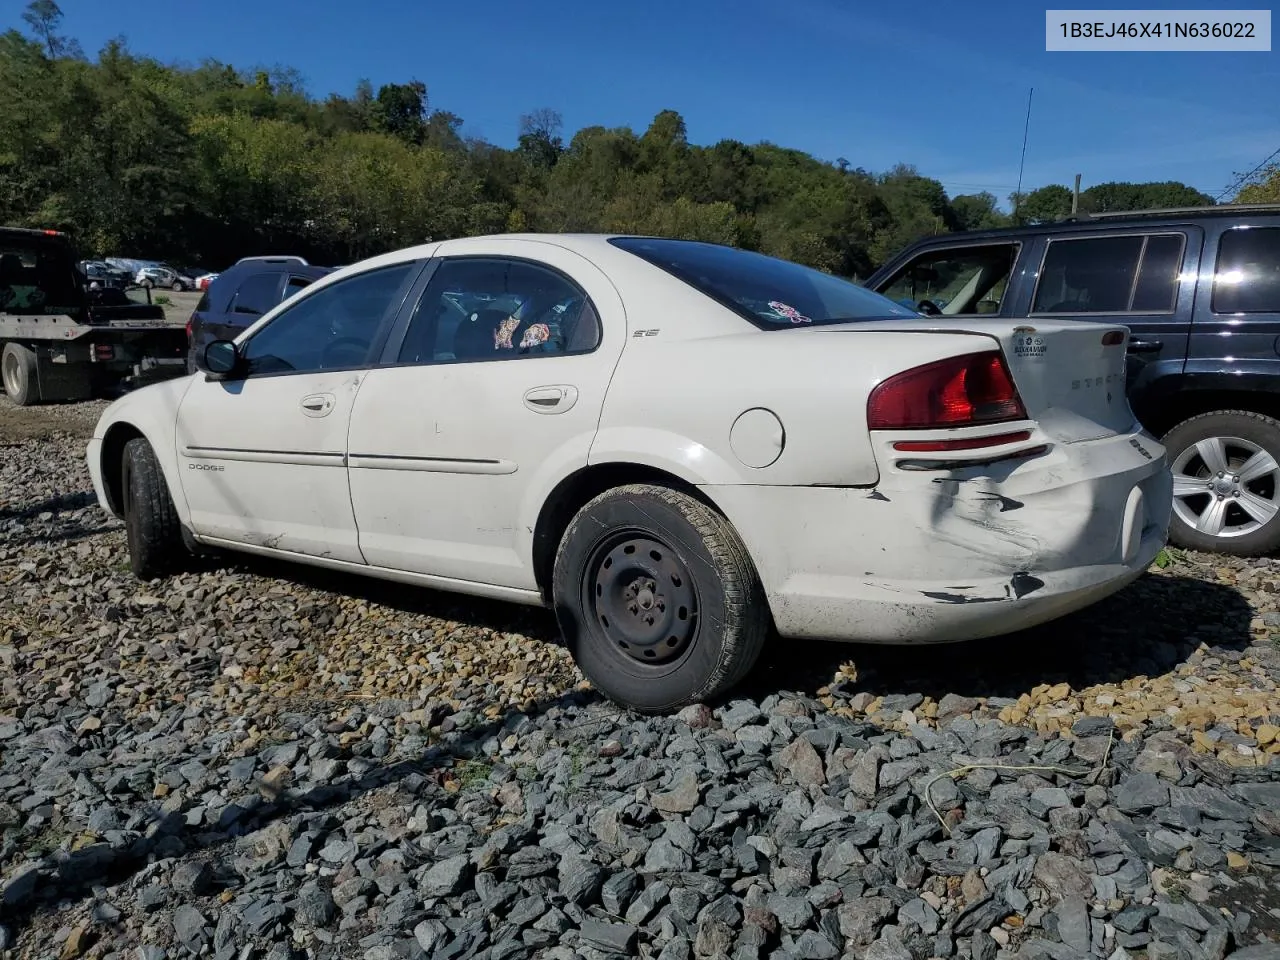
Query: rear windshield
x=38, y=277
x=769, y=292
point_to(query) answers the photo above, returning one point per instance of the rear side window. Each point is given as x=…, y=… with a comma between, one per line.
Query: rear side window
x=493, y=308
x=1247, y=276
x=1129, y=274
x=257, y=294
x=770, y=292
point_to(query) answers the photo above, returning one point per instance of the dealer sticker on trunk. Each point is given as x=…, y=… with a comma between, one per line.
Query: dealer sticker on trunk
x=1027, y=345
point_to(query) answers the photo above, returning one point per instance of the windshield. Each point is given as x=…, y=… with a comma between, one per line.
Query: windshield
x=769, y=292
x=38, y=277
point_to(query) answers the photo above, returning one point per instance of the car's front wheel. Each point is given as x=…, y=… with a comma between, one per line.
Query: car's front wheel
x=179, y=286
x=152, y=528
x=657, y=598
x=1226, y=483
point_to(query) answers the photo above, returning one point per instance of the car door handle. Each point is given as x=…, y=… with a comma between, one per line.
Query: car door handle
x=1145, y=346
x=318, y=404
x=551, y=399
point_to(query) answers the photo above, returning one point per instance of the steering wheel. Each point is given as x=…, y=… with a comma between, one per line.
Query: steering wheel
x=929, y=308
x=359, y=348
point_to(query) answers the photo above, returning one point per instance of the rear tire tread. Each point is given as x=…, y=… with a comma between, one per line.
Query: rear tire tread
x=747, y=623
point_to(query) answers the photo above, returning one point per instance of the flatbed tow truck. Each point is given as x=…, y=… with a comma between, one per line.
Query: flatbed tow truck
x=61, y=339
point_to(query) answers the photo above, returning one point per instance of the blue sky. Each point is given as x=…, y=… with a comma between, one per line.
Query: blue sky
x=940, y=85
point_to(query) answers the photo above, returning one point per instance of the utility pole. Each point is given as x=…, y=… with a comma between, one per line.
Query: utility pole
x=1075, y=197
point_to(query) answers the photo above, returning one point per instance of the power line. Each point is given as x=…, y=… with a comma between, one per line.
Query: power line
x=1241, y=181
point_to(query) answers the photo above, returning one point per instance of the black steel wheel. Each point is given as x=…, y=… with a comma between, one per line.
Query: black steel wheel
x=657, y=598
x=643, y=597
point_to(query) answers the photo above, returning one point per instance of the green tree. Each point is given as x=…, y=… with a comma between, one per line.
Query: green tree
x=977, y=211
x=1044, y=205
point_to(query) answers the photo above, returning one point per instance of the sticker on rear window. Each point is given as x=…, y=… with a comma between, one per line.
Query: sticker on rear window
x=788, y=311
x=502, y=336
x=536, y=334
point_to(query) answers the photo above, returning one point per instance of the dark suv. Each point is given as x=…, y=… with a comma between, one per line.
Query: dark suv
x=1199, y=290
x=239, y=296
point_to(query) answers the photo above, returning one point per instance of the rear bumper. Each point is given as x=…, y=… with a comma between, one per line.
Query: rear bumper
x=942, y=556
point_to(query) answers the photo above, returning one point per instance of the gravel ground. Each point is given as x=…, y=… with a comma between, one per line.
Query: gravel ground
x=260, y=761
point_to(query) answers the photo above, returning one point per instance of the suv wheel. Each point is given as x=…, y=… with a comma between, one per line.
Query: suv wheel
x=1226, y=483
x=657, y=598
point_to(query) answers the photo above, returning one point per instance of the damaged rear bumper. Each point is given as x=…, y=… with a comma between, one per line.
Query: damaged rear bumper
x=941, y=556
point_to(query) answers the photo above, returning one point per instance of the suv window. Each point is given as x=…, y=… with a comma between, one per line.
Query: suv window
x=1247, y=276
x=959, y=280
x=493, y=308
x=294, y=284
x=257, y=294
x=332, y=329
x=1128, y=274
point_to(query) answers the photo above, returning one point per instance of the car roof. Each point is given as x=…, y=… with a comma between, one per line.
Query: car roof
x=1118, y=220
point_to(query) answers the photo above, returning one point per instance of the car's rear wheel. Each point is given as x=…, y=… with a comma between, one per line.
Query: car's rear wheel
x=179, y=286
x=152, y=528
x=1226, y=483
x=18, y=370
x=657, y=598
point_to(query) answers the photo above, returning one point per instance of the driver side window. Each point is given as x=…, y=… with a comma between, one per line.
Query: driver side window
x=333, y=328
x=955, y=282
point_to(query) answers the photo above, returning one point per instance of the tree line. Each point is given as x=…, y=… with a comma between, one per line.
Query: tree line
x=209, y=163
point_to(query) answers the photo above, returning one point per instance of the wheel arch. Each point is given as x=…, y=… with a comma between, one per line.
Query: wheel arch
x=1185, y=397
x=111, y=463
x=574, y=491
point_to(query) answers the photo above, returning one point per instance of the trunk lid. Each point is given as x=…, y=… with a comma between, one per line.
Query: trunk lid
x=1071, y=381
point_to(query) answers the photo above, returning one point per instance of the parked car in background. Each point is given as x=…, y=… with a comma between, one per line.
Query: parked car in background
x=236, y=298
x=676, y=446
x=204, y=279
x=1198, y=288
x=164, y=276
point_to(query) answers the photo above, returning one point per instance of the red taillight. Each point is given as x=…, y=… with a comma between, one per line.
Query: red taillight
x=190, y=324
x=962, y=391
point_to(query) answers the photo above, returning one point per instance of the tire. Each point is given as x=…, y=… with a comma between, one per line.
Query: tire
x=688, y=572
x=1247, y=524
x=154, y=534
x=178, y=286
x=18, y=371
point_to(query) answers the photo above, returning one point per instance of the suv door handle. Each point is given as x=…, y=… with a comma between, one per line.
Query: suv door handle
x=1145, y=346
x=318, y=404
x=551, y=399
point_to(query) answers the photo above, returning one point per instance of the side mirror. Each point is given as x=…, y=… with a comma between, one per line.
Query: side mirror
x=220, y=359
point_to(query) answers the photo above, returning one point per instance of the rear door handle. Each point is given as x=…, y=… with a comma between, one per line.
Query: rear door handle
x=1145, y=346
x=318, y=404
x=556, y=398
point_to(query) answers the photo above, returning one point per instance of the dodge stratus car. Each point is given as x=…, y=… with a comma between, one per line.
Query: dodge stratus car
x=679, y=447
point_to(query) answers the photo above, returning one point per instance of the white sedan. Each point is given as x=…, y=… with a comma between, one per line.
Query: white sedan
x=680, y=447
